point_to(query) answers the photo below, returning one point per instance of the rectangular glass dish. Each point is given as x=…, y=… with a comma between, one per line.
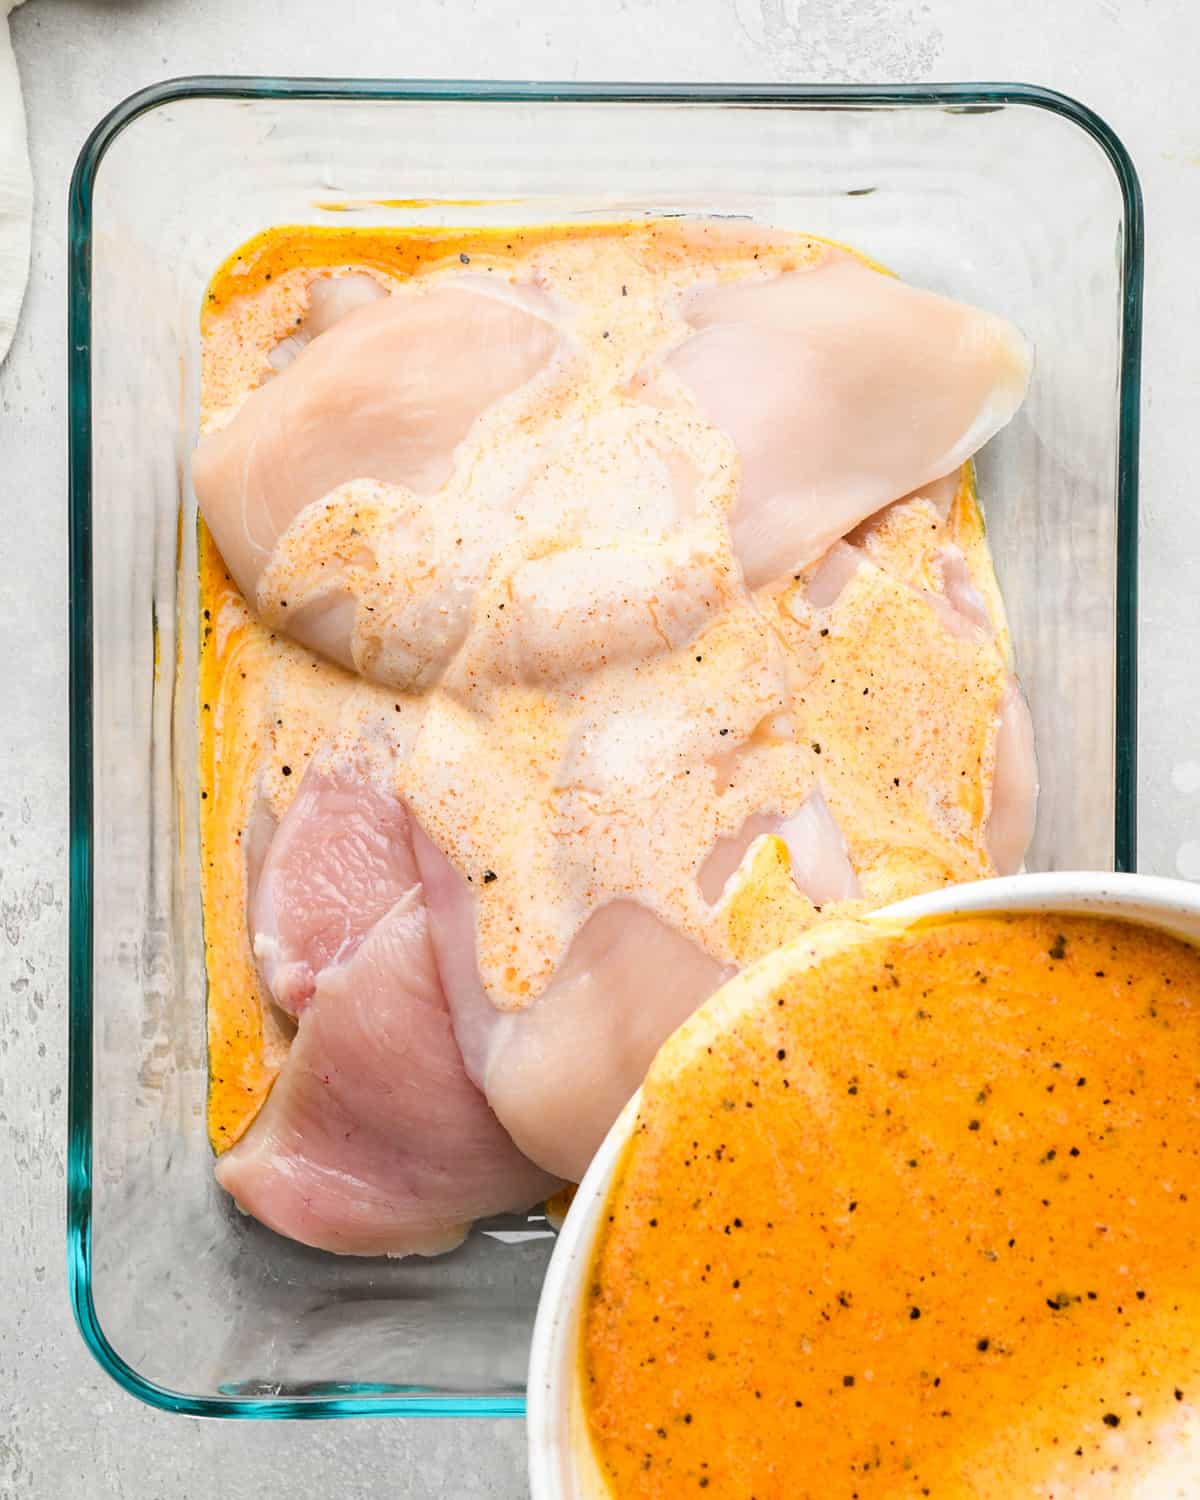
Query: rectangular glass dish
x=1004, y=195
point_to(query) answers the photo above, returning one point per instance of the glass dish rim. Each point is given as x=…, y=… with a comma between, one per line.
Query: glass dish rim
x=954, y=97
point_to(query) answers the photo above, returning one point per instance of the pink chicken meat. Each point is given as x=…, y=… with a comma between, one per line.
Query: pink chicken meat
x=374, y=1140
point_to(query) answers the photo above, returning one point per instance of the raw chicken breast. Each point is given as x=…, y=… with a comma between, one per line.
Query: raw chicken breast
x=961, y=593
x=838, y=567
x=376, y=1100
x=820, y=863
x=1014, y=784
x=559, y=1072
x=962, y=612
x=960, y=606
x=727, y=854
x=337, y=865
x=570, y=613
x=843, y=389
x=373, y=1140
x=330, y=298
x=386, y=393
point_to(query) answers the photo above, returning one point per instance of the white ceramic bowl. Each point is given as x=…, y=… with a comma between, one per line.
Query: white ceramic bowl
x=561, y=1464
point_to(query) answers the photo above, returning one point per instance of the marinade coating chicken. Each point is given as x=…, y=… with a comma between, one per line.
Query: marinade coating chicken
x=597, y=556
x=962, y=613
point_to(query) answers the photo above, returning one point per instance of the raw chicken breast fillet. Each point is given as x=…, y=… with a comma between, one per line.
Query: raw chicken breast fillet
x=843, y=389
x=382, y=389
x=373, y=1141
x=559, y=1072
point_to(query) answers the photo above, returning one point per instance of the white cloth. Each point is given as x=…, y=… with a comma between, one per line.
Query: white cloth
x=16, y=187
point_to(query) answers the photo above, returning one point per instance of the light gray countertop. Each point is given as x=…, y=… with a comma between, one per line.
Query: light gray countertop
x=64, y=1428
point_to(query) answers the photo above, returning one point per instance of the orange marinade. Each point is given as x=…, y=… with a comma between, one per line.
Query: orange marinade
x=925, y=1222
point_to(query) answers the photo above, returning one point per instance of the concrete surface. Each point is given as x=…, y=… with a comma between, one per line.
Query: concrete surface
x=63, y=1428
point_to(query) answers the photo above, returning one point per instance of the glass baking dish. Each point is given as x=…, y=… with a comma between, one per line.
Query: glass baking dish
x=1006, y=195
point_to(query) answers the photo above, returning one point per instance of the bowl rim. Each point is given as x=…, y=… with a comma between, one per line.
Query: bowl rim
x=949, y=97
x=549, y=1421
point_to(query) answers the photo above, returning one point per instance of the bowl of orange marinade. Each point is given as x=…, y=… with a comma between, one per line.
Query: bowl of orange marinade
x=912, y=1206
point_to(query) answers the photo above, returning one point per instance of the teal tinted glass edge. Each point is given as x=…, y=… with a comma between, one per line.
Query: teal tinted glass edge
x=372, y=1400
